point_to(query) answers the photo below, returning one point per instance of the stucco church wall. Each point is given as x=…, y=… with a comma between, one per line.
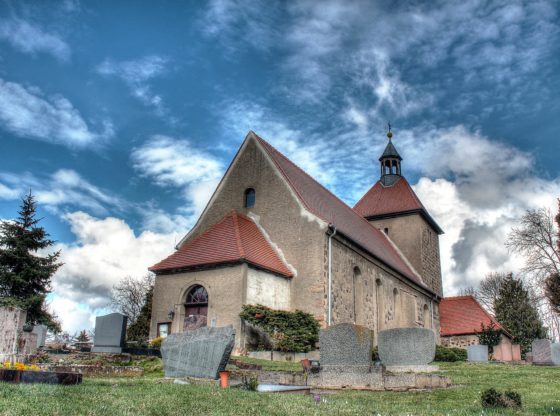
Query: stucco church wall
x=418, y=241
x=225, y=287
x=267, y=289
x=375, y=297
x=298, y=235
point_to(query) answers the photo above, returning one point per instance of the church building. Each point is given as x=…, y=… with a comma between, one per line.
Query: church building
x=274, y=236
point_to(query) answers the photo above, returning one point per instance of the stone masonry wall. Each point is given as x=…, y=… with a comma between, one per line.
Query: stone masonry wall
x=226, y=295
x=297, y=234
x=418, y=241
x=459, y=341
x=375, y=297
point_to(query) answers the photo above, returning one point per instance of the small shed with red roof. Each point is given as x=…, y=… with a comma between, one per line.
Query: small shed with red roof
x=461, y=320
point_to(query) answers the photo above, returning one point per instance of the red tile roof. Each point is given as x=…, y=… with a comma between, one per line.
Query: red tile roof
x=462, y=315
x=325, y=205
x=399, y=198
x=234, y=239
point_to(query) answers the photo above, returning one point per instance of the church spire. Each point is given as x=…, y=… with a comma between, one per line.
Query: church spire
x=390, y=162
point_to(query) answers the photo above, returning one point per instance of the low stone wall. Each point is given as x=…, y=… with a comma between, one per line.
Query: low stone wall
x=95, y=371
x=284, y=356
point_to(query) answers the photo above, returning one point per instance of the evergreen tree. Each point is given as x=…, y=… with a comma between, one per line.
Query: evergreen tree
x=25, y=276
x=515, y=311
x=82, y=336
x=552, y=292
x=139, y=330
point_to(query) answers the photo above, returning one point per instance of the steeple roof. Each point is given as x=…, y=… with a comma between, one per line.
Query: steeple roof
x=234, y=239
x=387, y=201
x=390, y=152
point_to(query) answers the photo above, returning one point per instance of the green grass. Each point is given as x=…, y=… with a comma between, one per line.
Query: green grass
x=539, y=387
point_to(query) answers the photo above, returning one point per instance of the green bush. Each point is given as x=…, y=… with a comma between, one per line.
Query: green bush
x=450, y=354
x=290, y=331
x=495, y=398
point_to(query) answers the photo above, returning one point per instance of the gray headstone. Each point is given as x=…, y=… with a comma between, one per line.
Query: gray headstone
x=555, y=349
x=542, y=351
x=11, y=326
x=203, y=352
x=477, y=353
x=41, y=331
x=406, y=346
x=110, y=331
x=346, y=347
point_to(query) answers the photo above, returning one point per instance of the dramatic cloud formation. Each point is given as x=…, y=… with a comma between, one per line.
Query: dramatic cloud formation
x=105, y=251
x=62, y=189
x=31, y=39
x=26, y=112
x=137, y=74
x=171, y=162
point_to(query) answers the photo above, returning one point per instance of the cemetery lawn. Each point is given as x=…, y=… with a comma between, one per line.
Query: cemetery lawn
x=539, y=388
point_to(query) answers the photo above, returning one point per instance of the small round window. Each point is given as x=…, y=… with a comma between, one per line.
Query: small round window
x=250, y=197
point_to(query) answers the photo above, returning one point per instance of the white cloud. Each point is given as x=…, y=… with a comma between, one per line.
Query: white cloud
x=476, y=189
x=31, y=39
x=105, y=251
x=137, y=74
x=63, y=188
x=26, y=112
x=171, y=162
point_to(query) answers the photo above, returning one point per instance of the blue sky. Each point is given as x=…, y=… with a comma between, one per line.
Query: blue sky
x=122, y=117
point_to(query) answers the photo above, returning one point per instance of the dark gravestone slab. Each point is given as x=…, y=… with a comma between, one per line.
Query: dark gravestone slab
x=407, y=346
x=542, y=352
x=202, y=353
x=44, y=377
x=110, y=331
x=346, y=347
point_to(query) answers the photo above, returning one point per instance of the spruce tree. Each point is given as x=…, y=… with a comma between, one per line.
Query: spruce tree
x=25, y=276
x=515, y=311
x=139, y=330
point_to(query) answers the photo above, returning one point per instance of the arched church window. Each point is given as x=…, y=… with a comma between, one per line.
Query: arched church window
x=196, y=308
x=250, y=197
x=426, y=316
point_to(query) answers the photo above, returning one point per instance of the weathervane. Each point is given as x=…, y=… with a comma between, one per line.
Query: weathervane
x=389, y=133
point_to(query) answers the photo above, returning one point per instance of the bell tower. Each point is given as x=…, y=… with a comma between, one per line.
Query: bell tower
x=390, y=162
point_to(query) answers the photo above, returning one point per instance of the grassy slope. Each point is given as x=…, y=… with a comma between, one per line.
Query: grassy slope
x=539, y=386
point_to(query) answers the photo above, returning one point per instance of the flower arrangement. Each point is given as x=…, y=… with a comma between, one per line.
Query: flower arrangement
x=20, y=366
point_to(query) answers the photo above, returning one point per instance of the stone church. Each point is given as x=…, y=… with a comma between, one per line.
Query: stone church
x=272, y=235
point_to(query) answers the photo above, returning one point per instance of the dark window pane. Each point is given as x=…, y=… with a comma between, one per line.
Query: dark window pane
x=250, y=198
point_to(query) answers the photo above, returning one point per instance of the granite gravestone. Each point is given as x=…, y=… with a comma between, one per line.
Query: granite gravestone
x=477, y=353
x=41, y=331
x=110, y=331
x=201, y=353
x=346, y=347
x=407, y=346
x=11, y=328
x=542, y=352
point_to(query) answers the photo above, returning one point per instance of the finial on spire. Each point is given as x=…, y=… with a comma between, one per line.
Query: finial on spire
x=389, y=133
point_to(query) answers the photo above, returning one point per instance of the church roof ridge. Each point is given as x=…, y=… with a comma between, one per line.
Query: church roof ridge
x=235, y=238
x=326, y=205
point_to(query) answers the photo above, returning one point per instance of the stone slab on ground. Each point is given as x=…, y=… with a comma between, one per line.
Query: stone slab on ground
x=542, y=352
x=203, y=352
x=110, y=331
x=477, y=353
x=44, y=377
x=346, y=345
x=406, y=346
x=284, y=356
x=412, y=368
